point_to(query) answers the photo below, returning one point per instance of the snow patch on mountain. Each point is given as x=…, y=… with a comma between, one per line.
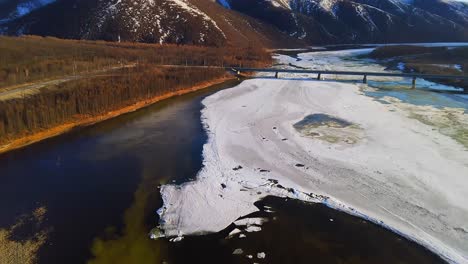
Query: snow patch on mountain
x=224, y=3
x=363, y=21
x=194, y=10
x=154, y=21
x=23, y=8
x=27, y=7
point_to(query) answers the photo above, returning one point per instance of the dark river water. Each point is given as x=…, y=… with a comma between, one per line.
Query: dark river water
x=98, y=190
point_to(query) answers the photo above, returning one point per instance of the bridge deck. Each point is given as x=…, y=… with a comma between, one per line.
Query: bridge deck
x=351, y=73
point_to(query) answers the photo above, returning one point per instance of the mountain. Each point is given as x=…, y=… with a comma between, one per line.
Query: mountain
x=361, y=21
x=218, y=22
x=199, y=22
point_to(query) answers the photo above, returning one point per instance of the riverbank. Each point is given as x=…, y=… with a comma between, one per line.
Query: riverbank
x=426, y=60
x=90, y=120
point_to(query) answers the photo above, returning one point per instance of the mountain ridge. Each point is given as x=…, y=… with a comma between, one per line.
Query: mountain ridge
x=362, y=21
x=219, y=22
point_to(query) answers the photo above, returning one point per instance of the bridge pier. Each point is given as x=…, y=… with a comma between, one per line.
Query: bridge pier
x=319, y=77
x=413, y=84
x=364, y=80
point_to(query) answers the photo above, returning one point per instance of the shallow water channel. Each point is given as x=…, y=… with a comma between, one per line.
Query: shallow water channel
x=96, y=189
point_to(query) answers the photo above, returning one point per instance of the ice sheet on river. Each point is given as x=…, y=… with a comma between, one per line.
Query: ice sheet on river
x=401, y=173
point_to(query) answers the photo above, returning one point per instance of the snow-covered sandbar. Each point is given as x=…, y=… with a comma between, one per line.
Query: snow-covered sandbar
x=386, y=166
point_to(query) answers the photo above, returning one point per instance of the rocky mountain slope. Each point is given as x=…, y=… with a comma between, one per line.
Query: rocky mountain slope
x=217, y=22
x=196, y=22
x=358, y=21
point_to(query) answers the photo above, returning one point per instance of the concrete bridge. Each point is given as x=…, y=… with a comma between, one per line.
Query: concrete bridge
x=320, y=73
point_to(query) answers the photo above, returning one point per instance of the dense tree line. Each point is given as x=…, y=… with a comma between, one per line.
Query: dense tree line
x=89, y=97
x=108, y=86
x=31, y=58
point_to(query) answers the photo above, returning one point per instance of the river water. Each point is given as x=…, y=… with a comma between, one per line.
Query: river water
x=87, y=180
x=97, y=188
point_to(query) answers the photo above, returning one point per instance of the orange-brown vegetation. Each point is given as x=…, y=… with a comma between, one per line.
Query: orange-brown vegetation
x=58, y=108
x=13, y=250
x=31, y=58
x=28, y=137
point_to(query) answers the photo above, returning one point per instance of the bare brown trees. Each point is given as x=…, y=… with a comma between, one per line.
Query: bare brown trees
x=108, y=87
x=28, y=59
x=89, y=97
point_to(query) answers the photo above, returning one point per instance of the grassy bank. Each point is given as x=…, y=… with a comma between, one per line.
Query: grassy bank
x=47, y=111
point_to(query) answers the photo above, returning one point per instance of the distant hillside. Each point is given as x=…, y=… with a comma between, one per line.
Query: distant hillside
x=361, y=21
x=199, y=22
x=273, y=23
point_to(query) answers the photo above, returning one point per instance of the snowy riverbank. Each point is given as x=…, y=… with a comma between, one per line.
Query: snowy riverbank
x=386, y=167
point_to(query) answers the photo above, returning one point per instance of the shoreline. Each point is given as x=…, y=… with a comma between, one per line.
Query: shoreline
x=91, y=120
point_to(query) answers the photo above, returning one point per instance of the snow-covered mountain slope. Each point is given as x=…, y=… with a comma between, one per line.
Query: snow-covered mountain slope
x=200, y=22
x=158, y=21
x=345, y=21
x=217, y=22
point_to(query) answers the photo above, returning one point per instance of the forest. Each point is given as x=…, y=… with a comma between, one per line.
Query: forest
x=31, y=59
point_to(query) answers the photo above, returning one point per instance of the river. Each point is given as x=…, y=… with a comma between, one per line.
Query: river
x=88, y=179
x=91, y=195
